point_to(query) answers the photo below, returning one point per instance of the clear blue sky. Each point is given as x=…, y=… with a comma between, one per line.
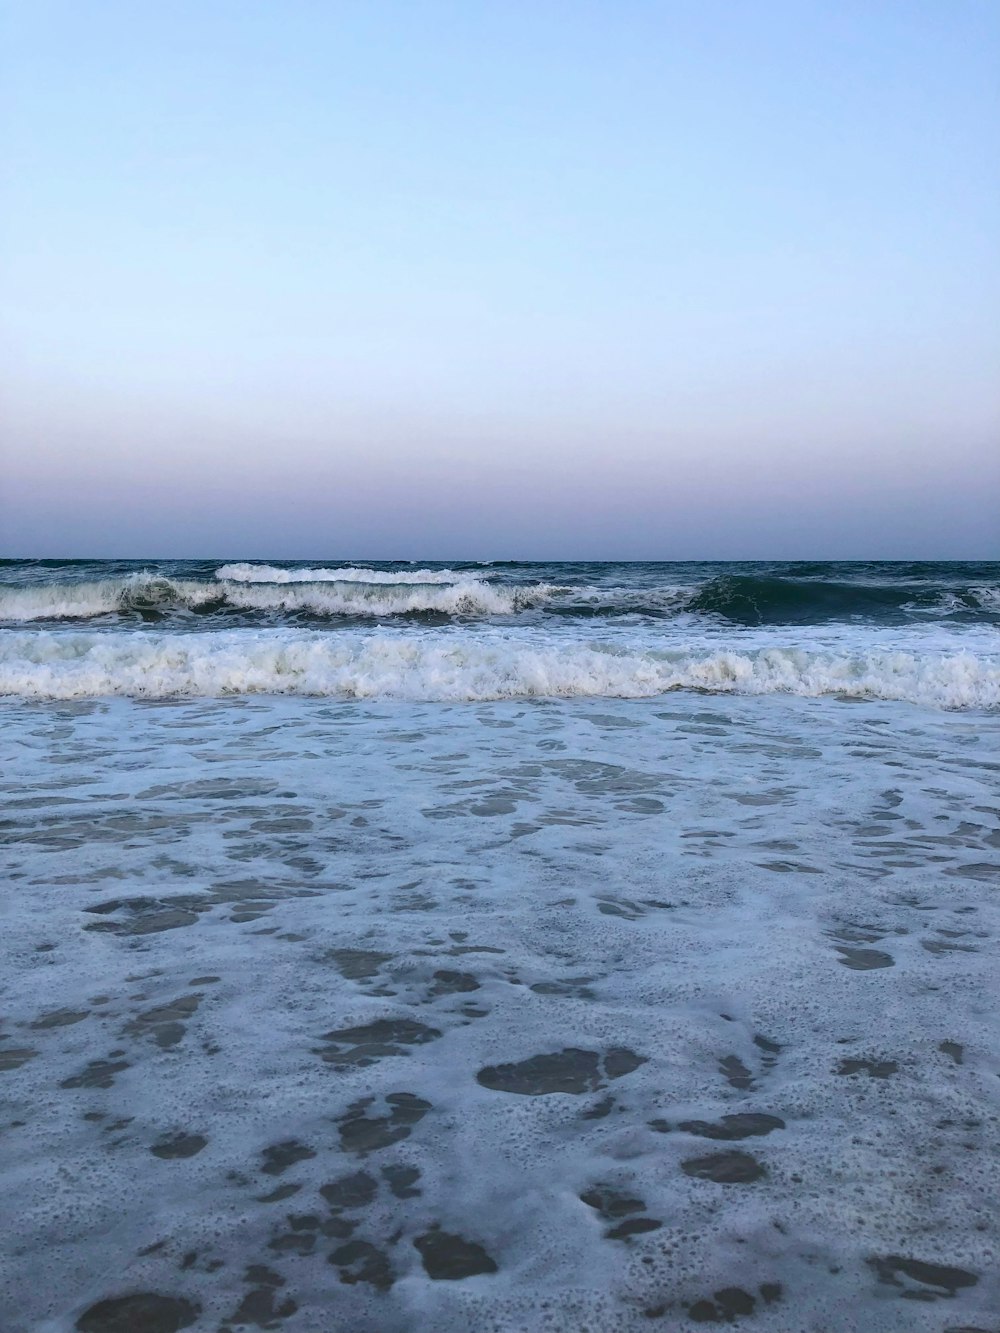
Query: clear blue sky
x=453, y=278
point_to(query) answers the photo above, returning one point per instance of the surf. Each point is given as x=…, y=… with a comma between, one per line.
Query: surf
x=440, y=666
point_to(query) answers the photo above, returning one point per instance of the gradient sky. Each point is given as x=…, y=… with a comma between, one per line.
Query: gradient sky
x=454, y=278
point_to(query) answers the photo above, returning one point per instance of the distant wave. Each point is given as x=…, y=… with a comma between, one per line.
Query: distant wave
x=270, y=592
x=248, y=573
x=469, y=598
x=80, y=601
x=154, y=596
x=43, y=664
x=753, y=599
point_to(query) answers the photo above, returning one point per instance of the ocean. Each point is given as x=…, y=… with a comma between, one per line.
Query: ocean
x=498, y=947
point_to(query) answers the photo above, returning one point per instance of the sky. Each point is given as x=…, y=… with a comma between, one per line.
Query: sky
x=535, y=279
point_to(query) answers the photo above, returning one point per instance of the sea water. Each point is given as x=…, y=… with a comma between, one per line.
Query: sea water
x=500, y=947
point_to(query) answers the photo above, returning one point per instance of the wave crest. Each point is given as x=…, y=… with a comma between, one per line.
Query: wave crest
x=471, y=598
x=83, y=601
x=153, y=595
x=743, y=600
x=755, y=599
x=40, y=664
x=244, y=572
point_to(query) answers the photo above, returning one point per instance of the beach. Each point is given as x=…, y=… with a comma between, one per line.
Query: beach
x=395, y=948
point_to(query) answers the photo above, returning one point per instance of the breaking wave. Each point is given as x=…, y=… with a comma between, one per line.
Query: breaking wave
x=248, y=573
x=274, y=594
x=154, y=597
x=42, y=664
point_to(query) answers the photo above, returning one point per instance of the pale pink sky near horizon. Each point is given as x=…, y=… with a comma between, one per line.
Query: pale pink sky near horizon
x=448, y=281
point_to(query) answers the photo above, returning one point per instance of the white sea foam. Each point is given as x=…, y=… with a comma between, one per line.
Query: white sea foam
x=492, y=598
x=201, y=892
x=953, y=601
x=82, y=601
x=447, y=667
x=58, y=601
x=244, y=572
x=468, y=598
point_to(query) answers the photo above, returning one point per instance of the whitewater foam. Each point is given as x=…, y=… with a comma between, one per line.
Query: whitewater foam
x=150, y=594
x=104, y=597
x=244, y=572
x=444, y=666
x=296, y=992
x=468, y=598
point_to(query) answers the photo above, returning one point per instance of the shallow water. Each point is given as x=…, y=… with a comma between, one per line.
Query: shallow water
x=398, y=1015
